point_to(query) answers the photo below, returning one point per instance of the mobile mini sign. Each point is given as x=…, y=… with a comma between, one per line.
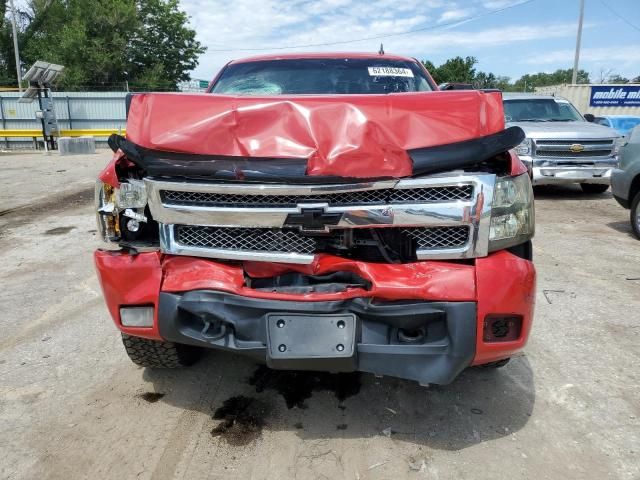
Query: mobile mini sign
x=626, y=96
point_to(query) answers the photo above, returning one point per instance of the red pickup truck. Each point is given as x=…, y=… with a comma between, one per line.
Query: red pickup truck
x=328, y=212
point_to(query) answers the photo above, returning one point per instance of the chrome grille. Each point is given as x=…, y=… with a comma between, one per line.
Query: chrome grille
x=252, y=239
x=363, y=197
x=291, y=241
x=436, y=217
x=569, y=154
x=562, y=148
x=436, y=238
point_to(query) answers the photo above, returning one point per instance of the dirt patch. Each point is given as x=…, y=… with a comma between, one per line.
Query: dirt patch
x=242, y=419
x=296, y=387
x=151, y=397
x=59, y=230
x=47, y=207
x=342, y=426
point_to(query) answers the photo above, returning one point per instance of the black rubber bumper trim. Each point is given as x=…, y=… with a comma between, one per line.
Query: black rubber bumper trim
x=427, y=160
x=225, y=321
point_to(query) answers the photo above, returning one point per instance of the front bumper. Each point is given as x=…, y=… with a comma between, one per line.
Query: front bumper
x=239, y=324
x=560, y=172
x=207, y=303
x=621, y=186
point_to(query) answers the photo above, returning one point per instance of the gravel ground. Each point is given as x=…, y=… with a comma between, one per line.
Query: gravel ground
x=73, y=406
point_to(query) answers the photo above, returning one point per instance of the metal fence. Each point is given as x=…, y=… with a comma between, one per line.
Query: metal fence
x=74, y=110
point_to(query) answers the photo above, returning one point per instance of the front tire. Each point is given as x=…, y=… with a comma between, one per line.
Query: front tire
x=594, y=188
x=635, y=215
x=156, y=354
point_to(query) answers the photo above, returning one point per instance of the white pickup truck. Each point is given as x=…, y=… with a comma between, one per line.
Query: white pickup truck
x=561, y=147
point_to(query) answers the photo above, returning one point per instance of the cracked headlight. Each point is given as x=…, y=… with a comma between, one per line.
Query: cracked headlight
x=106, y=212
x=131, y=194
x=114, y=204
x=512, y=212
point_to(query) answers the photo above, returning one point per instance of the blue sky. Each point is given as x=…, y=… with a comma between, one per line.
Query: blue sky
x=537, y=35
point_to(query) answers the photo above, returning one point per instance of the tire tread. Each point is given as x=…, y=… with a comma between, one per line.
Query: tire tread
x=157, y=354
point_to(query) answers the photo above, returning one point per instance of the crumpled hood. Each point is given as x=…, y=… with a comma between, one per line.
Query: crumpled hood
x=342, y=135
x=566, y=130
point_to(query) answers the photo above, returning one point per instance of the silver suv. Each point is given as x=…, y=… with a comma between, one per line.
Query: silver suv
x=562, y=147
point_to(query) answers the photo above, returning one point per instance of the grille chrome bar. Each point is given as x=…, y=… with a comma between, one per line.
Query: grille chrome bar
x=563, y=148
x=422, y=220
x=361, y=197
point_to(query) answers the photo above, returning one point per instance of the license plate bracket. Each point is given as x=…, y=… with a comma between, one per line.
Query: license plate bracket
x=311, y=342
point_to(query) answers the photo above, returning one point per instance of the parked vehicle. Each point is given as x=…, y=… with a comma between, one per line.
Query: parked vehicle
x=320, y=212
x=623, y=124
x=455, y=86
x=561, y=147
x=625, y=182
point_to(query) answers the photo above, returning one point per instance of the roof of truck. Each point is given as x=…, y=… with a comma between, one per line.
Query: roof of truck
x=621, y=117
x=530, y=96
x=287, y=56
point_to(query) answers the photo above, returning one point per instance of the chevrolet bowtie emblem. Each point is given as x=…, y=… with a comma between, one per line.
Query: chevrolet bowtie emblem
x=576, y=148
x=312, y=220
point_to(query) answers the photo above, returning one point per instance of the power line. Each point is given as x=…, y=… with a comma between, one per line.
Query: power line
x=619, y=16
x=376, y=37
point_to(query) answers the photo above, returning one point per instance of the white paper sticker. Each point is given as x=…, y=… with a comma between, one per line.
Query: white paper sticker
x=390, y=72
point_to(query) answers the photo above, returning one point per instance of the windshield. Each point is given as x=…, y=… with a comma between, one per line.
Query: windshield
x=624, y=125
x=322, y=76
x=540, y=110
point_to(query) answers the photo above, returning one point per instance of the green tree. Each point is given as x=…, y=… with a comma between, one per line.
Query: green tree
x=528, y=82
x=457, y=69
x=431, y=68
x=106, y=42
x=164, y=48
x=617, y=79
x=462, y=70
x=89, y=37
x=503, y=83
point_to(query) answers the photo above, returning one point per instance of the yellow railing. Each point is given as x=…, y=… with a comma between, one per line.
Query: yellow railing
x=34, y=133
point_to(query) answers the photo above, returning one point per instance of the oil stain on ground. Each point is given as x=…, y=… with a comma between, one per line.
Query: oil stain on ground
x=296, y=387
x=242, y=419
x=59, y=230
x=151, y=397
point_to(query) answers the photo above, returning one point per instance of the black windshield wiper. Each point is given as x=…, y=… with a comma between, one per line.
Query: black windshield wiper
x=529, y=120
x=561, y=120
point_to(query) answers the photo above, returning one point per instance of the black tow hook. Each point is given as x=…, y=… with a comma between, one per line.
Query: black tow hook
x=220, y=330
x=412, y=336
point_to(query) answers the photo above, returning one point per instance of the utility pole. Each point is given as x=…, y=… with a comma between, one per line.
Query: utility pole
x=15, y=45
x=576, y=60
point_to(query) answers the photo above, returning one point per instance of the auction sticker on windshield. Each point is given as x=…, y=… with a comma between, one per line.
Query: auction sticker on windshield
x=390, y=72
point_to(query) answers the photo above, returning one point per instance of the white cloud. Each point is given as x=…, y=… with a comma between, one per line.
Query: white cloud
x=274, y=23
x=497, y=4
x=454, y=14
x=623, y=53
x=622, y=59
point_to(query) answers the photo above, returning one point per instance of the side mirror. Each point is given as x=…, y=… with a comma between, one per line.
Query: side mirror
x=589, y=117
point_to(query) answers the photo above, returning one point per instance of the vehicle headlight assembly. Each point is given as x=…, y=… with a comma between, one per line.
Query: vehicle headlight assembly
x=113, y=203
x=617, y=144
x=131, y=194
x=512, y=212
x=524, y=148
